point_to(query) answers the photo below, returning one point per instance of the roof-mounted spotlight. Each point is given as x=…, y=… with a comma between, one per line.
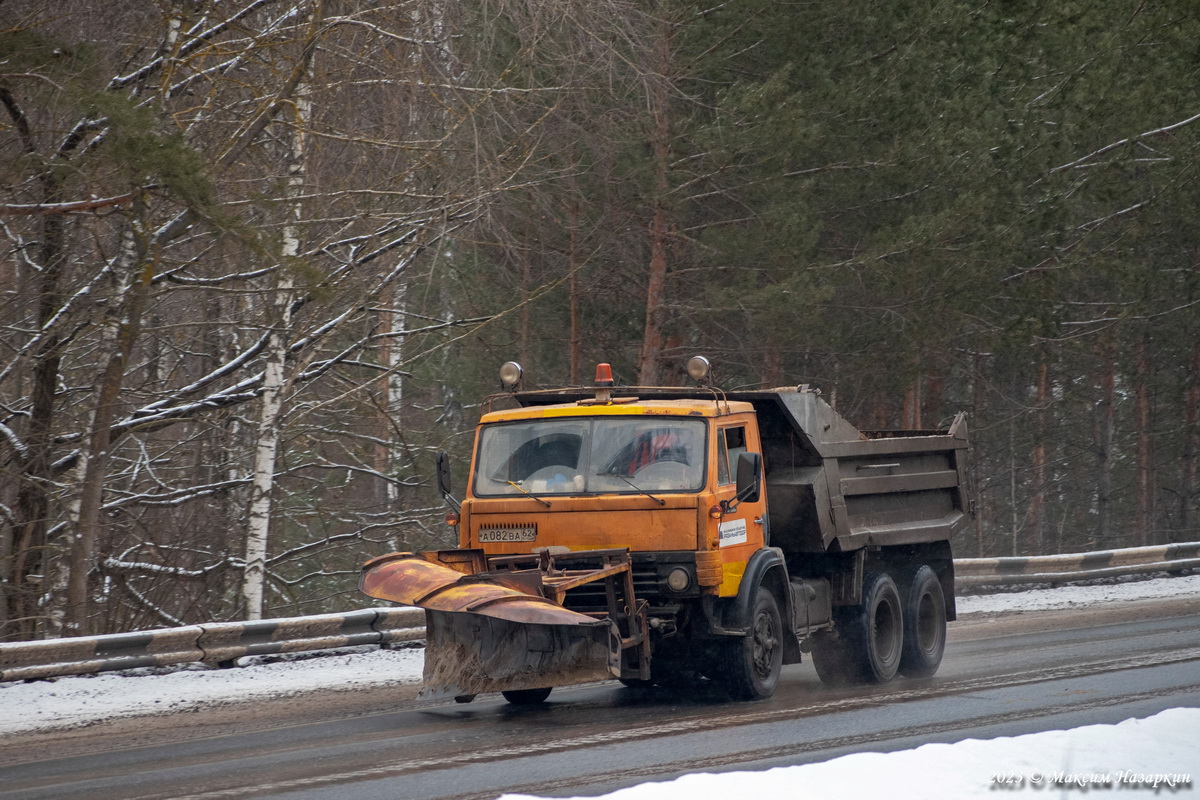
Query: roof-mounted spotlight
x=510, y=375
x=700, y=369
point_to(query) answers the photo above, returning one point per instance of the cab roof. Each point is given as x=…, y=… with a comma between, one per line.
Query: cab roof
x=623, y=406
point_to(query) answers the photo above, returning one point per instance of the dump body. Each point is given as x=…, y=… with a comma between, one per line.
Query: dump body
x=748, y=522
x=835, y=488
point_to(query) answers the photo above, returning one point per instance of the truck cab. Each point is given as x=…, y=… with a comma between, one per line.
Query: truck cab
x=655, y=477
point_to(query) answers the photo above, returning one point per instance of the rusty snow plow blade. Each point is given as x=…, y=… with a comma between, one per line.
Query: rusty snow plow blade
x=467, y=654
x=493, y=626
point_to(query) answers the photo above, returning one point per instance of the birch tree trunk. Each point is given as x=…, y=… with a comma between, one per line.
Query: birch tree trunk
x=266, y=449
x=394, y=303
x=266, y=439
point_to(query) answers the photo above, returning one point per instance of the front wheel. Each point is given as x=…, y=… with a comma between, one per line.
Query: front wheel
x=752, y=663
x=527, y=697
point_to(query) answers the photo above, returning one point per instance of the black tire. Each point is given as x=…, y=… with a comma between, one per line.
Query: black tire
x=637, y=683
x=869, y=638
x=881, y=628
x=751, y=664
x=924, y=625
x=527, y=697
x=831, y=658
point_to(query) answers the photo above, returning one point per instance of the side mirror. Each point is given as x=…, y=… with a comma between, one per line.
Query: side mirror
x=443, y=476
x=749, y=477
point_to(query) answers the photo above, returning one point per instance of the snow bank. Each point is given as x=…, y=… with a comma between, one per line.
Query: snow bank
x=1137, y=757
x=1080, y=596
x=64, y=702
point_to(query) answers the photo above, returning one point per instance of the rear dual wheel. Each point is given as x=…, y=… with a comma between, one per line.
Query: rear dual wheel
x=868, y=639
x=924, y=625
x=886, y=635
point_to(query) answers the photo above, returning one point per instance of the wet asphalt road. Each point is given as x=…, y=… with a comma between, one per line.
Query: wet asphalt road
x=1001, y=677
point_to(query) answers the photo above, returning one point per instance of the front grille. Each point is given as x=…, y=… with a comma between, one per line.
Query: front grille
x=649, y=584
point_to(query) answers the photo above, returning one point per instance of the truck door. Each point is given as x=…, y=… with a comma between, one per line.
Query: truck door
x=741, y=531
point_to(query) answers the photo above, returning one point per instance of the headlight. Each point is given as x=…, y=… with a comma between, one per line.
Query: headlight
x=679, y=579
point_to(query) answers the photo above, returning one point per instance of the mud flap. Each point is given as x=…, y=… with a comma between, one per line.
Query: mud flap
x=468, y=654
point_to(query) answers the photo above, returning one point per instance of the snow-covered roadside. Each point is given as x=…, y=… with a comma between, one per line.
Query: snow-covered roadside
x=69, y=702
x=1080, y=596
x=1149, y=757
x=1146, y=757
x=75, y=701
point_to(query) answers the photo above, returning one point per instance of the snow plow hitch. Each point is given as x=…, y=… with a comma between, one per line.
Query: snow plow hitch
x=499, y=623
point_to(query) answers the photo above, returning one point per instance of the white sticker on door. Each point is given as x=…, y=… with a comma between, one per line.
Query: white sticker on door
x=733, y=532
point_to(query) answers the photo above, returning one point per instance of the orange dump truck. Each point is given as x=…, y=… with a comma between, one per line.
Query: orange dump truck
x=655, y=534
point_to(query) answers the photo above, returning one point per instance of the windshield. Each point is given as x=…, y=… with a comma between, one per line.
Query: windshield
x=590, y=456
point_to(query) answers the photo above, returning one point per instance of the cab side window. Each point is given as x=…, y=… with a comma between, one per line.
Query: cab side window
x=731, y=443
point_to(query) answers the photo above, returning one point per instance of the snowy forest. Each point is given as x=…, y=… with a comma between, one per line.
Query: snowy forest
x=260, y=259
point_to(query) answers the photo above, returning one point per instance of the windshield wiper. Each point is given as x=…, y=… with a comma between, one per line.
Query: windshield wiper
x=658, y=500
x=517, y=486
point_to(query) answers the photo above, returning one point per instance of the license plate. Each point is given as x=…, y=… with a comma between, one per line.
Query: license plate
x=515, y=533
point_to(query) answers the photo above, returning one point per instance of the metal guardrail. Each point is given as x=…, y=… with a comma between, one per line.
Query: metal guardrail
x=1017, y=570
x=224, y=642
x=214, y=643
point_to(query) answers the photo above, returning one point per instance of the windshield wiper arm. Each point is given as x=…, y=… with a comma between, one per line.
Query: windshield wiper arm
x=517, y=486
x=658, y=500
